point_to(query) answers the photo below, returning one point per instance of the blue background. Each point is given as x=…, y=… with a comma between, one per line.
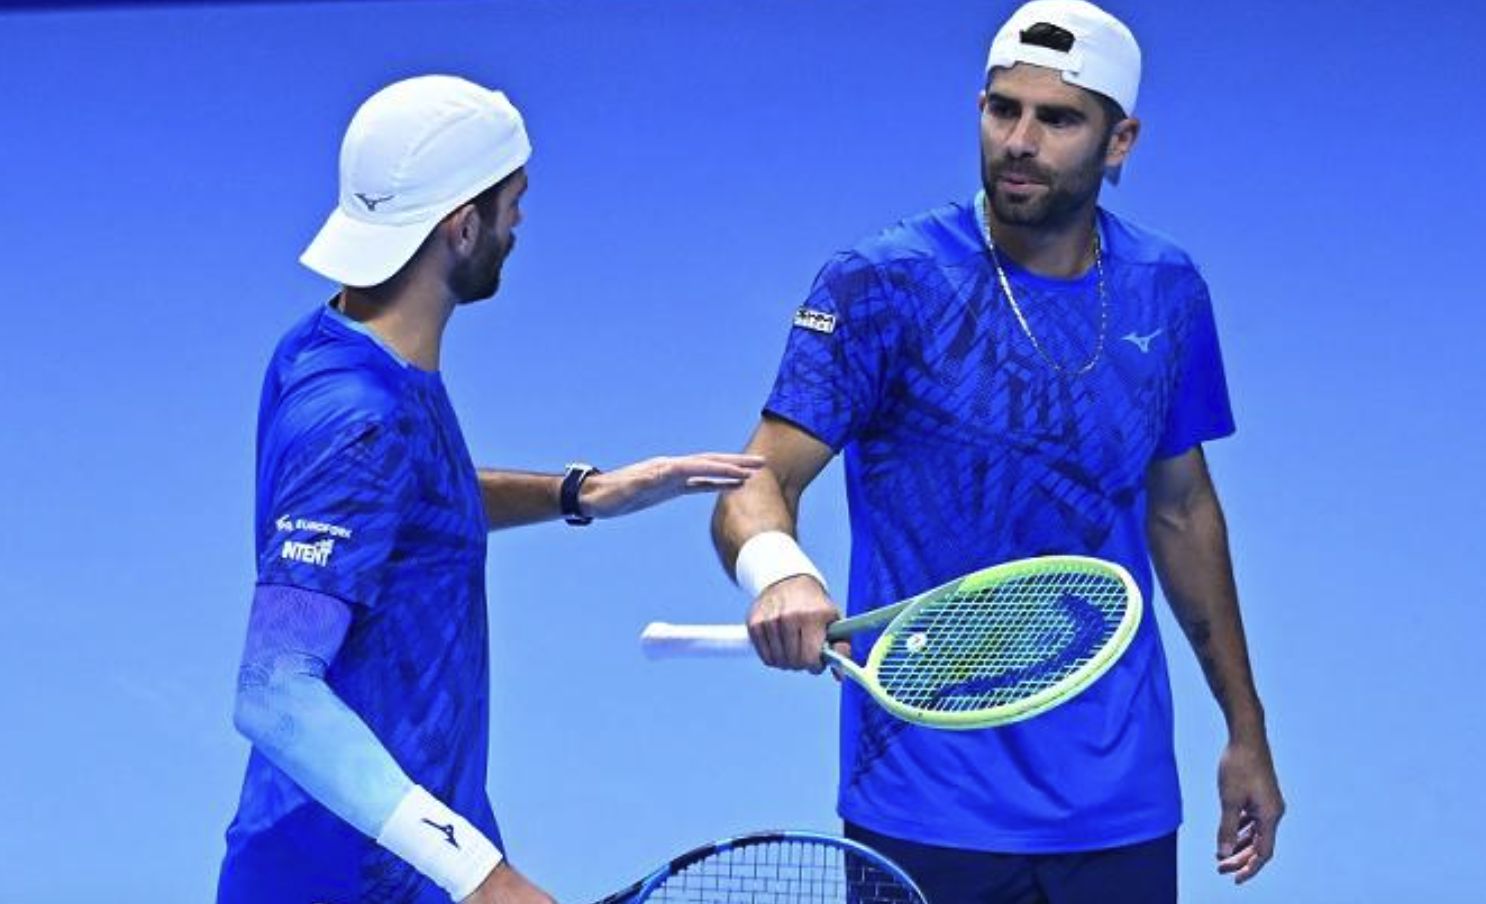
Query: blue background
x=695, y=163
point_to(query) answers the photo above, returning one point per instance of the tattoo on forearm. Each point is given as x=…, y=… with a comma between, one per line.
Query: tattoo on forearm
x=1214, y=677
x=1199, y=633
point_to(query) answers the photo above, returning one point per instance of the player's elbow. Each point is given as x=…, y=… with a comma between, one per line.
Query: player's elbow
x=259, y=713
x=722, y=516
x=1167, y=519
x=1195, y=521
x=249, y=715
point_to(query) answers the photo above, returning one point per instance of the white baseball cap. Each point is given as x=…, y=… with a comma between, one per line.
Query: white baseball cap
x=1101, y=56
x=414, y=151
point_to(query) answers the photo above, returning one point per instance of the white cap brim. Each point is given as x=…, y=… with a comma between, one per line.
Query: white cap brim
x=359, y=254
x=415, y=151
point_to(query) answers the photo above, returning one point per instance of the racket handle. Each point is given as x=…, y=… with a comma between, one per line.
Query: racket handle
x=661, y=640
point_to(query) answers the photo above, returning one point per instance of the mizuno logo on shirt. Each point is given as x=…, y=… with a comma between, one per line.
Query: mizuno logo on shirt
x=819, y=321
x=448, y=831
x=317, y=554
x=1141, y=342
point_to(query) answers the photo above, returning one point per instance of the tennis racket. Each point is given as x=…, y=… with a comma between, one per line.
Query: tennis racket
x=991, y=648
x=776, y=868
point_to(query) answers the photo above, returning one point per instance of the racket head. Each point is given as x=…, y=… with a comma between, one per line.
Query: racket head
x=1005, y=643
x=785, y=866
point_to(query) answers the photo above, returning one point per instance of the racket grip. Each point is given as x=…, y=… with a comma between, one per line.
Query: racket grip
x=661, y=640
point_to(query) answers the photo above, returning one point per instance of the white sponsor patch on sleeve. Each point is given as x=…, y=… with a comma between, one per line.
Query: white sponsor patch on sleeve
x=819, y=321
x=286, y=524
x=317, y=554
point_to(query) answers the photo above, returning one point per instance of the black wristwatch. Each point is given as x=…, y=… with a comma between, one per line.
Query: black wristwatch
x=567, y=497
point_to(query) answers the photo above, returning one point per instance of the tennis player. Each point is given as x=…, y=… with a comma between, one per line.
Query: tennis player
x=1019, y=374
x=364, y=683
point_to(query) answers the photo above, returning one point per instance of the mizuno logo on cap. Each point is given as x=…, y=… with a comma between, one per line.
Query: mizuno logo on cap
x=371, y=203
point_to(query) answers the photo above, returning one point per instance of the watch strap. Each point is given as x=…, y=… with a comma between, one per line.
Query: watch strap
x=567, y=497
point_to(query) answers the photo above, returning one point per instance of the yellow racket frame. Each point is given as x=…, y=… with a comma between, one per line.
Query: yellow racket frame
x=899, y=615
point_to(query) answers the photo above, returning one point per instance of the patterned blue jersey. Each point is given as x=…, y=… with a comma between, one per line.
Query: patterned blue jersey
x=967, y=445
x=366, y=492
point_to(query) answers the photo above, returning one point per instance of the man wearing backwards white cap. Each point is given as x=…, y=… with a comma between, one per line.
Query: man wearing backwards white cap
x=364, y=683
x=1019, y=375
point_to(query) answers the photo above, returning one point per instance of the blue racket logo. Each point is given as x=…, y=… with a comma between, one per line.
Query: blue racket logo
x=1089, y=629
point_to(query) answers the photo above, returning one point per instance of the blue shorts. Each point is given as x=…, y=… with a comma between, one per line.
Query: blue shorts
x=1143, y=873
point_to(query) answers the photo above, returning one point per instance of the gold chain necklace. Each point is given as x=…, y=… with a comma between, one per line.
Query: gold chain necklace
x=983, y=205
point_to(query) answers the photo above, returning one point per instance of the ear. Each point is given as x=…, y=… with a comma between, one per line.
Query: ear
x=980, y=100
x=462, y=229
x=1121, y=142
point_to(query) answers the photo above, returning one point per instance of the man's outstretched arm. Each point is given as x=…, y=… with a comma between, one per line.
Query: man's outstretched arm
x=514, y=498
x=1189, y=545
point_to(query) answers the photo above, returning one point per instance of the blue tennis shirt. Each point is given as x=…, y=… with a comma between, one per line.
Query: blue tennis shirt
x=967, y=445
x=366, y=492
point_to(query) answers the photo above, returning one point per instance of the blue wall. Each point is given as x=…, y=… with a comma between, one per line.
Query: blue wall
x=161, y=169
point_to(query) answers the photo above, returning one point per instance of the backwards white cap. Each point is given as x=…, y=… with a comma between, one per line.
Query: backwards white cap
x=1091, y=48
x=415, y=151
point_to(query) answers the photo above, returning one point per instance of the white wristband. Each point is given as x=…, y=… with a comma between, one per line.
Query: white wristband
x=439, y=843
x=770, y=557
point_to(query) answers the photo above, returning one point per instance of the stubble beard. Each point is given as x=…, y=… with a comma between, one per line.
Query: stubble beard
x=481, y=278
x=1061, y=197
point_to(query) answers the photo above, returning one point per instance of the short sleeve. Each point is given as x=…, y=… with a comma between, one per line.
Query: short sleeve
x=837, y=359
x=337, y=504
x=1199, y=409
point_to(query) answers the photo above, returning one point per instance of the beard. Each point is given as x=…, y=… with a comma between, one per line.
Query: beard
x=479, y=277
x=1052, y=202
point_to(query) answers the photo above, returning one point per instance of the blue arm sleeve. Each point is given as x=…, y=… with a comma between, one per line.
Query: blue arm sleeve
x=294, y=718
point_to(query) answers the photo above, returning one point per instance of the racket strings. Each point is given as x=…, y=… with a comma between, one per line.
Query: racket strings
x=784, y=872
x=983, y=648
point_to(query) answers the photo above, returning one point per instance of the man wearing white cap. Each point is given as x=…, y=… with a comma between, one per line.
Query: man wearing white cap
x=365, y=679
x=1022, y=374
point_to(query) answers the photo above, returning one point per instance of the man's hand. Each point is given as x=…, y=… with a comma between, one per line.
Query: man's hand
x=505, y=885
x=1252, y=806
x=787, y=623
x=656, y=480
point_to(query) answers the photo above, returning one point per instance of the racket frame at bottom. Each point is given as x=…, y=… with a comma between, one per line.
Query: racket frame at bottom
x=641, y=890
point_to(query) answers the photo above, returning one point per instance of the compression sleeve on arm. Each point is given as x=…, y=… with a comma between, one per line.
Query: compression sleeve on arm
x=294, y=718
